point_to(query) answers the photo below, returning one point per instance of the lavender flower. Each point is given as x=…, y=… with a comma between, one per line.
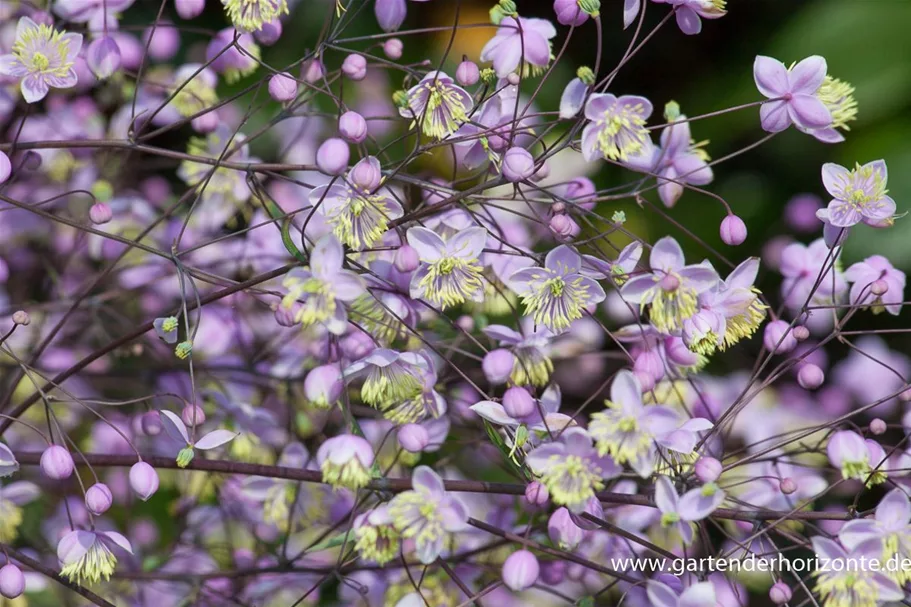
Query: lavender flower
x=858, y=195
x=376, y=538
x=391, y=377
x=793, y=94
x=680, y=512
x=8, y=463
x=845, y=582
x=864, y=276
x=87, y=555
x=42, y=57
x=99, y=15
x=427, y=514
x=178, y=432
x=450, y=272
x=804, y=279
x=889, y=528
x=616, y=128
x=438, y=105
x=12, y=498
x=530, y=348
x=520, y=41
x=558, y=293
x=346, y=460
x=544, y=417
x=689, y=13
x=253, y=15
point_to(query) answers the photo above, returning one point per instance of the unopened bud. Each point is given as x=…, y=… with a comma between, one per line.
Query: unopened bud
x=21, y=317
x=800, y=333
x=879, y=287
x=586, y=75
x=787, y=485
x=878, y=426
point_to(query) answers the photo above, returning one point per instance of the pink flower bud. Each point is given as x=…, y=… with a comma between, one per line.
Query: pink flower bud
x=355, y=67
x=518, y=164
x=733, y=230
x=498, y=365
x=98, y=499
x=878, y=426
x=193, y=415
x=269, y=33
x=800, y=333
x=879, y=287
x=393, y=48
x=413, y=438
x=390, y=14
x=189, y=9
x=905, y=396
x=21, y=317
x=521, y=570
x=12, y=582
x=581, y=190
x=468, y=74
x=6, y=167
x=352, y=127
x=103, y=57
x=707, y=469
x=514, y=79
x=466, y=323
x=569, y=13
x=778, y=337
x=143, y=480
x=282, y=87
x=553, y=572
x=564, y=227
x=536, y=494
x=323, y=385
x=100, y=213
x=151, y=423
x=366, y=175
x=406, y=259
x=205, y=123
x=332, y=156
x=57, y=463
x=163, y=41
x=787, y=485
x=780, y=593
x=810, y=377
x=285, y=316
x=312, y=71
x=562, y=531
x=518, y=402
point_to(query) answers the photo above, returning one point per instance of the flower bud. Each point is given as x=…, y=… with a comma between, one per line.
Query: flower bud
x=162, y=41
x=151, y=423
x=707, y=469
x=205, y=123
x=312, y=71
x=282, y=87
x=390, y=14
x=879, y=287
x=466, y=323
x=413, y=438
x=352, y=127
x=323, y=385
x=21, y=317
x=780, y=593
x=12, y=582
x=366, y=175
x=355, y=67
x=564, y=227
x=787, y=485
x=57, y=463
x=468, y=74
x=100, y=213
x=143, y=480
x=518, y=164
x=189, y=9
x=103, y=57
x=587, y=76
x=878, y=426
x=563, y=531
x=521, y=570
x=733, y=230
x=269, y=33
x=193, y=415
x=393, y=48
x=518, y=402
x=6, y=167
x=800, y=333
x=536, y=494
x=284, y=315
x=553, y=572
x=569, y=12
x=514, y=79
x=406, y=259
x=778, y=337
x=98, y=499
x=332, y=156
x=810, y=377
x=498, y=365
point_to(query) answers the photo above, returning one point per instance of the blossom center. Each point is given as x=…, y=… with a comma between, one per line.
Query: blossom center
x=40, y=61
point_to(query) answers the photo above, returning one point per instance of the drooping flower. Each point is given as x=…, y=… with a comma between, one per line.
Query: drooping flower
x=426, y=403
x=631, y=432
x=616, y=128
x=845, y=582
x=793, y=94
x=192, y=89
x=252, y=15
x=42, y=58
x=427, y=514
x=558, y=293
x=888, y=528
x=322, y=291
x=376, y=538
x=681, y=512
x=12, y=498
x=392, y=377
x=531, y=350
x=856, y=457
x=87, y=555
x=520, y=41
x=571, y=468
x=385, y=314
x=438, y=105
x=672, y=289
x=359, y=210
x=544, y=417
x=450, y=272
x=857, y=195
x=8, y=463
x=346, y=460
x=864, y=274
x=689, y=13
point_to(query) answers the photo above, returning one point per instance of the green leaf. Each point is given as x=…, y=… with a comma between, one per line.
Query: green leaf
x=337, y=540
x=289, y=244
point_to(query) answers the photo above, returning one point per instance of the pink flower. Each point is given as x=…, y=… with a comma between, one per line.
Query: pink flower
x=793, y=94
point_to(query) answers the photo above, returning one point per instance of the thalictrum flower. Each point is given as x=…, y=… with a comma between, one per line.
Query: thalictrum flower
x=546, y=415
x=889, y=528
x=438, y=105
x=618, y=270
x=359, y=210
x=531, y=349
x=857, y=195
x=690, y=13
x=178, y=431
x=346, y=460
x=558, y=293
x=426, y=403
x=845, y=582
x=252, y=15
x=427, y=514
x=571, y=468
x=838, y=97
x=392, y=377
x=793, y=94
x=520, y=41
x=87, y=555
x=8, y=463
x=375, y=536
x=42, y=58
x=450, y=272
x=680, y=512
x=324, y=289
x=672, y=289
x=616, y=128
x=802, y=267
x=12, y=498
x=864, y=274
x=856, y=457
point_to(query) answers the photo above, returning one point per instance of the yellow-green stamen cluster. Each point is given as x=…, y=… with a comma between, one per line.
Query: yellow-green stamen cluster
x=622, y=132
x=193, y=97
x=379, y=543
x=557, y=303
x=417, y=518
x=251, y=15
x=669, y=308
x=183, y=349
x=361, y=221
x=571, y=480
x=848, y=589
x=434, y=591
x=96, y=564
x=374, y=318
x=10, y=519
x=444, y=111
x=861, y=191
x=532, y=367
x=351, y=475
x=185, y=456
x=744, y=325
x=450, y=281
x=319, y=299
x=169, y=324
x=838, y=97
x=386, y=386
x=619, y=435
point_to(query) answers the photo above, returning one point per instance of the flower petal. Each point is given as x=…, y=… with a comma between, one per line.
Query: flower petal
x=806, y=77
x=174, y=426
x=216, y=438
x=771, y=76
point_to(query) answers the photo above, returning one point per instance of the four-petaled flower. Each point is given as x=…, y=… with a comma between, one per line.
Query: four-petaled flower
x=858, y=195
x=520, y=41
x=42, y=58
x=888, y=529
x=690, y=13
x=681, y=512
x=793, y=94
